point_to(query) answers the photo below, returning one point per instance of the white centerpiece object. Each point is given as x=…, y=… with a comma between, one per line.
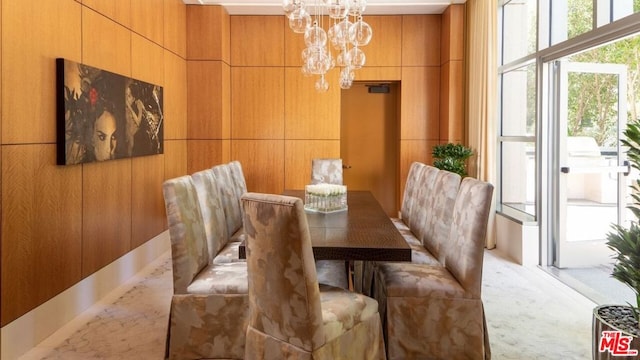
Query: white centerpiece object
x=325, y=197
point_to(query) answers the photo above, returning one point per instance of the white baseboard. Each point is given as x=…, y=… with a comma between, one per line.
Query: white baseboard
x=24, y=333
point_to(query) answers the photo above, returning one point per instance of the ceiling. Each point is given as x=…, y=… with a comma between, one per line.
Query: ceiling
x=374, y=7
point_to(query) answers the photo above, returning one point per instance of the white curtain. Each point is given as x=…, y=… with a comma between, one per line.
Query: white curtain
x=481, y=111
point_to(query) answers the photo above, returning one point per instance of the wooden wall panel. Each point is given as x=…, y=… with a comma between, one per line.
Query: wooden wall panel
x=147, y=18
x=208, y=34
x=385, y=48
x=452, y=34
x=206, y=99
x=262, y=163
x=203, y=154
x=110, y=43
x=175, y=27
x=421, y=40
x=263, y=116
x=118, y=10
x=28, y=65
x=298, y=155
x=452, y=102
x=175, y=158
x=41, y=227
x=309, y=114
x=257, y=40
x=106, y=213
x=148, y=213
x=175, y=95
x=379, y=73
x=147, y=62
x=420, y=103
x=294, y=44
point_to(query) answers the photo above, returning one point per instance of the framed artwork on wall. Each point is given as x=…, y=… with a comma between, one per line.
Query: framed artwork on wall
x=105, y=116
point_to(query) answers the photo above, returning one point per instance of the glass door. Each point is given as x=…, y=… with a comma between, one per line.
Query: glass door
x=591, y=180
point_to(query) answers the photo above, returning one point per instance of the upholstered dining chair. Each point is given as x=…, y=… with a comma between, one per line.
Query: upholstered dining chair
x=436, y=312
x=205, y=296
x=327, y=171
x=291, y=315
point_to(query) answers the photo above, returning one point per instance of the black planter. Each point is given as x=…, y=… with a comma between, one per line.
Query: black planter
x=620, y=331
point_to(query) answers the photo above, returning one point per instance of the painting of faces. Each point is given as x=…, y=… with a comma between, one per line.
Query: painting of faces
x=105, y=116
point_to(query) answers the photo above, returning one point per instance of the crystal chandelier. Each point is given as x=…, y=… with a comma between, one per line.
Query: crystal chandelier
x=346, y=34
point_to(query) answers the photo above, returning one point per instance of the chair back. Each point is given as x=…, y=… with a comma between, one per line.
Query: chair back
x=215, y=224
x=237, y=175
x=326, y=171
x=464, y=255
x=421, y=205
x=410, y=189
x=189, y=253
x=284, y=294
x=230, y=202
x=435, y=232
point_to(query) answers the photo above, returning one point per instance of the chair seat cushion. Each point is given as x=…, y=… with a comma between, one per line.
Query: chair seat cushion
x=343, y=309
x=229, y=253
x=230, y=278
x=418, y=280
x=238, y=236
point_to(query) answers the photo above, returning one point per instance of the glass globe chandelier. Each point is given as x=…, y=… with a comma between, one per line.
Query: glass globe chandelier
x=346, y=33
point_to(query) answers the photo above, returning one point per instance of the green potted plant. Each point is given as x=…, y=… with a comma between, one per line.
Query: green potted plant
x=451, y=157
x=615, y=327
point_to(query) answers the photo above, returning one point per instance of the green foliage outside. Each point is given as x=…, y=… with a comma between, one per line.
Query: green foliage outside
x=451, y=157
x=625, y=242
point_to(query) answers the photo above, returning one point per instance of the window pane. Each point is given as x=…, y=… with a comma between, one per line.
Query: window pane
x=519, y=102
x=570, y=18
x=518, y=40
x=518, y=176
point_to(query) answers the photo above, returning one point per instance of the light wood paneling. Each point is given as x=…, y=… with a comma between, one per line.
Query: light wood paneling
x=118, y=10
x=208, y=34
x=386, y=73
x=147, y=19
x=294, y=44
x=147, y=60
x=420, y=103
x=452, y=34
x=203, y=154
x=452, y=102
x=385, y=48
x=110, y=47
x=175, y=27
x=106, y=213
x=262, y=117
x=208, y=99
x=175, y=158
x=29, y=48
x=262, y=163
x=297, y=159
x=257, y=40
x=421, y=40
x=308, y=113
x=175, y=95
x=41, y=227
x=148, y=212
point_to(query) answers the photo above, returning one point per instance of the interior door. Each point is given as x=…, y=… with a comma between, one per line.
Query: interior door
x=591, y=182
x=368, y=145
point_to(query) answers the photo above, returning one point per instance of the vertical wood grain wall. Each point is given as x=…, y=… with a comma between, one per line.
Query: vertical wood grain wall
x=60, y=224
x=278, y=122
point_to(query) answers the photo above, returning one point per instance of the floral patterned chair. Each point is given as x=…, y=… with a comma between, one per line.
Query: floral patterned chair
x=327, y=171
x=210, y=305
x=291, y=315
x=436, y=312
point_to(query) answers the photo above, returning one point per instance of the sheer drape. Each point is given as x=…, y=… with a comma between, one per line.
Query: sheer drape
x=482, y=95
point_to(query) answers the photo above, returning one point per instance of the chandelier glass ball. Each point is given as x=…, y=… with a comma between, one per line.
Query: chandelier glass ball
x=344, y=32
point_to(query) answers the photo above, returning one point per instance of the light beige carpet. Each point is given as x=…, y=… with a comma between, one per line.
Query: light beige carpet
x=529, y=314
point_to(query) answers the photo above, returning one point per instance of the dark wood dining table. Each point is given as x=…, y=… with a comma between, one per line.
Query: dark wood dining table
x=361, y=232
